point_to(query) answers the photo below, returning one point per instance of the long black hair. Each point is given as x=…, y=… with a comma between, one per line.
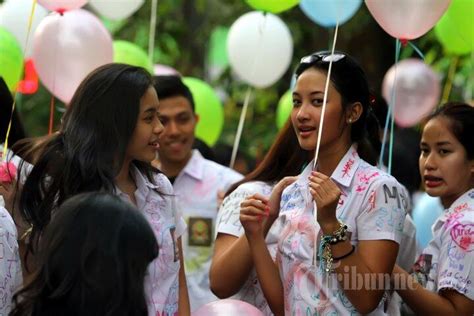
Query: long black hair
x=284, y=158
x=92, y=260
x=88, y=152
x=350, y=81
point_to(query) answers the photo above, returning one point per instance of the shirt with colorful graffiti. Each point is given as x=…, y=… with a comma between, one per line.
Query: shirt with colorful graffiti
x=373, y=206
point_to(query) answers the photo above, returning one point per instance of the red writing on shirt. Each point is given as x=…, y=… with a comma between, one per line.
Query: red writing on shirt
x=347, y=167
x=463, y=236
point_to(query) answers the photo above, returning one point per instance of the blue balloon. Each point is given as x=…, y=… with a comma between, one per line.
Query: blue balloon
x=328, y=12
x=427, y=209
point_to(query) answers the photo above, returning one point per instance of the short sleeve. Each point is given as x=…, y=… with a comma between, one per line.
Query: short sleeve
x=456, y=261
x=228, y=218
x=384, y=211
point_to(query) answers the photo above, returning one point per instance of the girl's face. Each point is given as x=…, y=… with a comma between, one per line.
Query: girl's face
x=445, y=170
x=307, y=107
x=144, y=141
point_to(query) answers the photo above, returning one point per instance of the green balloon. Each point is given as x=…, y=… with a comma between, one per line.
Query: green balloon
x=11, y=59
x=209, y=108
x=285, y=105
x=131, y=54
x=455, y=30
x=217, y=55
x=273, y=6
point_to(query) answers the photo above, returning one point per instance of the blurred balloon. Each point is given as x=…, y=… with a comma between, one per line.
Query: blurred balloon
x=217, y=59
x=228, y=307
x=163, y=70
x=260, y=48
x=417, y=90
x=427, y=209
x=15, y=16
x=131, y=54
x=273, y=6
x=284, y=107
x=116, y=10
x=407, y=19
x=209, y=108
x=29, y=84
x=455, y=30
x=62, y=5
x=328, y=13
x=11, y=59
x=66, y=48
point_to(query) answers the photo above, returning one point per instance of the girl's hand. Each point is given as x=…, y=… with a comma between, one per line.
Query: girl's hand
x=252, y=212
x=275, y=197
x=326, y=195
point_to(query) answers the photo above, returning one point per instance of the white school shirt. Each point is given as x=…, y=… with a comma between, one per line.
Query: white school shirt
x=162, y=279
x=228, y=222
x=10, y=265
x=448, y=260
x=372, y=205
x=196, y=189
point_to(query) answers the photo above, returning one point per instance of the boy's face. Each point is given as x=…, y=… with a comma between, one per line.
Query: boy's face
x=179, y=121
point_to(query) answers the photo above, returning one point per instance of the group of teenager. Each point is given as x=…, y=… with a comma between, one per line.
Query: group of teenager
x=117, y=214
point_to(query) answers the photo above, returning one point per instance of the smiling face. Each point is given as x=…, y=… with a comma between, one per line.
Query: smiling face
x=179, y=122
x=445, y=170
x=144, y=141
x=307, y=107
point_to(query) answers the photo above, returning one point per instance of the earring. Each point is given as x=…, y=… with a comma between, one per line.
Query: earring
x=350, y=120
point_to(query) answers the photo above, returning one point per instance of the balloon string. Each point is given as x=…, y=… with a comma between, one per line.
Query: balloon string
x=151, y=39
x=449, y=80
x=51, y=115
x=243, y=114
x=320, y=131
x=30, y=23
x=390, y=114
x=240, y=127
x=417, y=50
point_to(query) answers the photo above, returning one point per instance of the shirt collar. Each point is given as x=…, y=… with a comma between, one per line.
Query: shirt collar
x=344, y=171
x=462, y=203
x=141, y=181
x=195, y=166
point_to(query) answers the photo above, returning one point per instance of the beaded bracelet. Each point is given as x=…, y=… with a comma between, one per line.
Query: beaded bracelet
x=339, y=235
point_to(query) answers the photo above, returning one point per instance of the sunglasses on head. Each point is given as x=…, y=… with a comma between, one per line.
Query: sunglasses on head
x=322, y=56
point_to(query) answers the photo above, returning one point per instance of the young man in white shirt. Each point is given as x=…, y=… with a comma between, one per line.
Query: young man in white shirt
x=196, y=183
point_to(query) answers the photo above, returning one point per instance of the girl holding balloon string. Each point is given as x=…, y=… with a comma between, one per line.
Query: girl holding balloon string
x=443, y=277
x=341, y=222
x=108, y=137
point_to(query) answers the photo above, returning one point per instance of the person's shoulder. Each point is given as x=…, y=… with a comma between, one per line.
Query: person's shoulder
x=254, y=187
x=224, y=171
x=6, y=223
x=375, y=177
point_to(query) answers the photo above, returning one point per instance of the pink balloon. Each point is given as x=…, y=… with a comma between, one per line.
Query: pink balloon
x=407, y=19
x=163, y=70
x=227, y=307
x=67, y=47
x=417, y=91
x=62, y=5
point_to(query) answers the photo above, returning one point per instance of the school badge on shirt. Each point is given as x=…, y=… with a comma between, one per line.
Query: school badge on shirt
x=200, y=231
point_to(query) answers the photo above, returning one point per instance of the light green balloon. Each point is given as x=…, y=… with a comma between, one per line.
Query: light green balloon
x=284, y=107
x=131, y=54
x=209, y=108
x=455, y=30
x=217, y=55
x=11, y=59
x=273, y=6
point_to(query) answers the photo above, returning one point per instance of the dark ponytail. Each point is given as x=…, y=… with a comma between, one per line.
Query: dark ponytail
x=350, y=81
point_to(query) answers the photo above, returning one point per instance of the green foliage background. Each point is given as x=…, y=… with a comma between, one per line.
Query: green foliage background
x=182, y=41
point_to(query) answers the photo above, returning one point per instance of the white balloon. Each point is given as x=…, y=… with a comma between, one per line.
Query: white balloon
x=260, y=48
x=116, y=9
x=15, y=16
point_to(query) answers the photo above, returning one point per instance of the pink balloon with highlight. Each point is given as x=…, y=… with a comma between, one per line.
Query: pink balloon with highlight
x=417, y=91
x=227, y=307
x=163, y=70
x=407, y=19
x=66, y=48
x=62, y=5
